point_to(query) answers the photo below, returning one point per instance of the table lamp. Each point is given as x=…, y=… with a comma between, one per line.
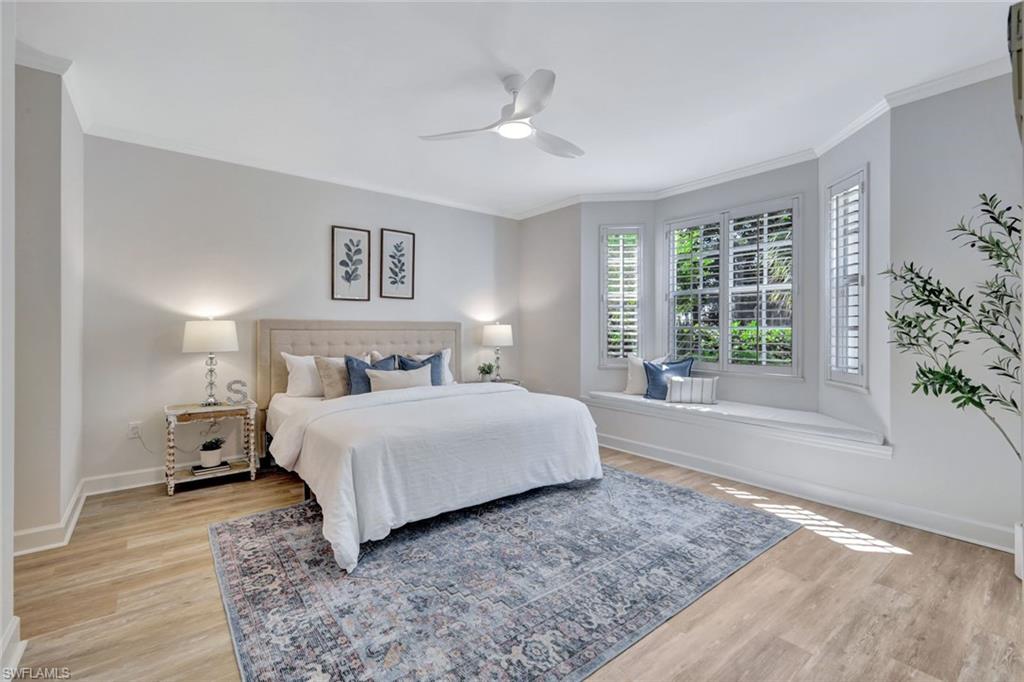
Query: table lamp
x=210, y=336
x=497, y=335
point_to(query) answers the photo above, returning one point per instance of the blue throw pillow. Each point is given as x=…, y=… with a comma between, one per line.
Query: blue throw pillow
x=358, y=382
x=436, y=368
x=659, y=374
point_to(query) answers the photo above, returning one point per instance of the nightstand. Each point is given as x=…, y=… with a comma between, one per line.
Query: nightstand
x=514, y=382
x=194, y=412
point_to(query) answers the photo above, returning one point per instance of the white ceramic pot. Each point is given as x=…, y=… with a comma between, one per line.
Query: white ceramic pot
x=210, y=458
x=485, y=378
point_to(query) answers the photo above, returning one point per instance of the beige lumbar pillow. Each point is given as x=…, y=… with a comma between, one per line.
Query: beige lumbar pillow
x=636, y=377
x=334, y=375
x=384, y=380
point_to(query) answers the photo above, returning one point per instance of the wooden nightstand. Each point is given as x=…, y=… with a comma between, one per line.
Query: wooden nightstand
x=193, y=412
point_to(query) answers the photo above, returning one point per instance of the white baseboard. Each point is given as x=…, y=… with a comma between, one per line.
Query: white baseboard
x=55, y=534
x=11, y=648
x=957, y=527
x=40, y=538
x=137, y=478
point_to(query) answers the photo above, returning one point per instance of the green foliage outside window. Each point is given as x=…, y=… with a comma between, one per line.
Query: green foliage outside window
x=755, y=341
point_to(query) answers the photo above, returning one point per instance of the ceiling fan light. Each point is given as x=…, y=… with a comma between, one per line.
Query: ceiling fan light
x=515, y=130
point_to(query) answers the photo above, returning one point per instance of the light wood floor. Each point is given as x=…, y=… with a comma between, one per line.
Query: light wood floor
x=134, y=596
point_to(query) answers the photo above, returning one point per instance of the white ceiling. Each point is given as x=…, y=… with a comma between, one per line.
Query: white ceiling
x=658, y=95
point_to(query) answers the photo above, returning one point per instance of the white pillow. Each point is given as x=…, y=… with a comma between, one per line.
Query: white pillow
x=446, y=360
x=303, y=378
x=636, y=375
x=384, y=380
x=702, y=390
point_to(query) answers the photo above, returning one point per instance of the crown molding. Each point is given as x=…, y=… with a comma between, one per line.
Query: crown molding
x=959, y=79
x=692, y=185
x=882, y=107
x=26, y=55
x=176, y=146
x=736, y=174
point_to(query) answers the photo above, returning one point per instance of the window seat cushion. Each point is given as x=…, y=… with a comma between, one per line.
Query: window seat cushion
x=797, y=421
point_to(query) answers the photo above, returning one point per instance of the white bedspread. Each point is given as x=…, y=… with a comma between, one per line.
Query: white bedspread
x=283, y=406
x=380, y=460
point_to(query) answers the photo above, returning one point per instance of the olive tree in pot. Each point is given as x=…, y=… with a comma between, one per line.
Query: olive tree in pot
x=936, y=323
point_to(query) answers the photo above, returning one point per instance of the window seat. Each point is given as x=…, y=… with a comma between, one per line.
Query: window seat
x=792, y=421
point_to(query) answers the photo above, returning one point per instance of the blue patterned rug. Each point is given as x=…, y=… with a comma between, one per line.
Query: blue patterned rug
x=550, y=585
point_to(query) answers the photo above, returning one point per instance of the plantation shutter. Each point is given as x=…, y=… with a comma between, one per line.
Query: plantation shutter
x=694, y=289
x=760, y=285
x=620, y=299
x=847, y=218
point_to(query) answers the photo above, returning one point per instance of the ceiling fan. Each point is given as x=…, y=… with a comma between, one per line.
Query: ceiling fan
x=529, y=98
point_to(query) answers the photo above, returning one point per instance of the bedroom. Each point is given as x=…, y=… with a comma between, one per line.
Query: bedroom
x=435, y=449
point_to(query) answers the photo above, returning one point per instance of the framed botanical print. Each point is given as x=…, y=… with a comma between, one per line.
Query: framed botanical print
x=397, y=264
x=350, y=264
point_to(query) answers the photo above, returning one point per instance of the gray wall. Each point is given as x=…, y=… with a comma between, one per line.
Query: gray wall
x=928, y=161
x=872, y=147
x=9, y=624
x=171, y=237
x=49, y=299
x=801, y=180
x=549, y=301
x=594, y=215
x=72, y=300
x=945, y=151
x=37, y=299
x=547, y=237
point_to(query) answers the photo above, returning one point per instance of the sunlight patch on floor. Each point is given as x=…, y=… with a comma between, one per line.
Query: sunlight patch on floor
x=851, y=538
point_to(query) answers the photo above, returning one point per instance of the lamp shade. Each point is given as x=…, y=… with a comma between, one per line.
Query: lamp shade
x=210, y=336
x=497, y=335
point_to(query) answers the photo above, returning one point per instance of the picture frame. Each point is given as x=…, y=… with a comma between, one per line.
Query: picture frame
x=397, y=264
x=350, y=263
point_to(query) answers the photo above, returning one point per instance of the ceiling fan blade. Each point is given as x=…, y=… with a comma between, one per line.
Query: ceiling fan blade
x=553, y=144
x=456, y=134
x=534, y=94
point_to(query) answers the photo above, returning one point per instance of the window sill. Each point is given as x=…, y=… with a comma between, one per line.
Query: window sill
x=844, y=386
x=796, y=378
x=794, y=425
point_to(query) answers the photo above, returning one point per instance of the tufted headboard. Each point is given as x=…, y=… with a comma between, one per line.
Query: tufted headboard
x=336, y=338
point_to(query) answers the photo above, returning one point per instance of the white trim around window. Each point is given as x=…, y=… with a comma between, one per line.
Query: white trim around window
x=845, y=283
x=669, y=322
x=623, y=302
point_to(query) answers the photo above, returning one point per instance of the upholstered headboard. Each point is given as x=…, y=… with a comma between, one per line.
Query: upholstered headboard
x=334, y=338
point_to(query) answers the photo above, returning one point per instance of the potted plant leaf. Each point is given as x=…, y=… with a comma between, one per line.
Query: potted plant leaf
x=486, y=371
x=210, y=452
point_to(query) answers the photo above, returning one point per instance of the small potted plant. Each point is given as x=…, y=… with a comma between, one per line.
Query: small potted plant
x=209, y=452
x=486, y=370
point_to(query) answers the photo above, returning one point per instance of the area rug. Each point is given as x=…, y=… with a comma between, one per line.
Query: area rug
x=550, y=584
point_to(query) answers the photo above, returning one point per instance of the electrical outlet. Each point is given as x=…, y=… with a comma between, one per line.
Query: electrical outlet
x=135, y=430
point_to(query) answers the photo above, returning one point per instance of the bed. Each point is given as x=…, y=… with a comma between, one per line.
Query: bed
x=380, y=460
